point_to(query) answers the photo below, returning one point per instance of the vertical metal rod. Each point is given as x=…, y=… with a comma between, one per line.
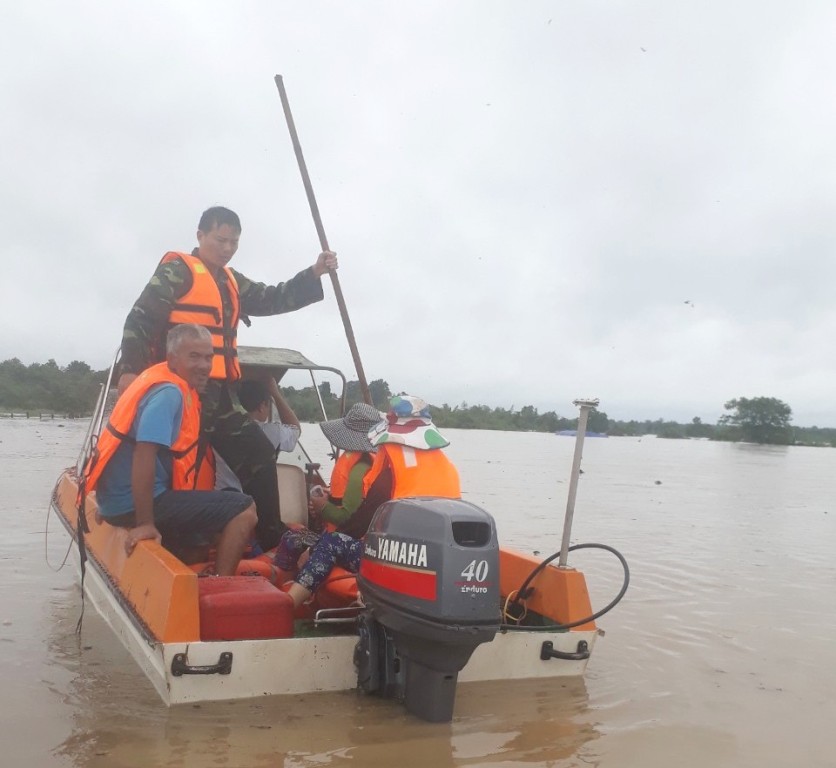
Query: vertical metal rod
x=86, y=446
x=94, y=429
x=323, y=241
x=318, y=396
x=334, y=450
x=585, y=407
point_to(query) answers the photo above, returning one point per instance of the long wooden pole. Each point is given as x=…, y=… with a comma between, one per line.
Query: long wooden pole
x=323, y=240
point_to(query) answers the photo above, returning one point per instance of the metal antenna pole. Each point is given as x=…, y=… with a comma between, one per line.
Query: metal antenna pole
x=585, y=407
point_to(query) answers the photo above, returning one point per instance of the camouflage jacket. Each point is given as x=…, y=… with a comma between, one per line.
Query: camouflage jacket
x=143, y=339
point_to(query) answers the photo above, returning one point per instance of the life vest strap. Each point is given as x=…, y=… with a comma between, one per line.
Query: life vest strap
x=132, y=440
x=205, y=308
x=119, y=435
x=224, y=333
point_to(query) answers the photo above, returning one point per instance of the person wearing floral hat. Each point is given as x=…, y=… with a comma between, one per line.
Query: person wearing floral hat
x=408, y=422
x=409, y=462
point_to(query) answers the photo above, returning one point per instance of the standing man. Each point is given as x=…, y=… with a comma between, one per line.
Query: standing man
x=144, y=464
x=200, y=288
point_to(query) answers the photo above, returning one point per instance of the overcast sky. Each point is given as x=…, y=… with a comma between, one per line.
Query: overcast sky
x=531, y=202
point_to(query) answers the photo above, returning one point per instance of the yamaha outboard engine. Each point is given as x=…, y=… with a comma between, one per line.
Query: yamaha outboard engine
x=430, y=580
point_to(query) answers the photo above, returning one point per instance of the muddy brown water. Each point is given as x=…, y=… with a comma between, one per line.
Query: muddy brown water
x=723, y=652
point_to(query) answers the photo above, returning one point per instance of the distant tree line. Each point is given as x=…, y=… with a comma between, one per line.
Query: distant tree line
x=46, y=387
x=73, y=389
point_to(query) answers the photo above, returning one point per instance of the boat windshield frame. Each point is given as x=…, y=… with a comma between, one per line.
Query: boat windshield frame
x=275, y=360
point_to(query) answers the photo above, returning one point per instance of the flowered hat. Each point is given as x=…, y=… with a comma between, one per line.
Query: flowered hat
x=351, y=432
x=408, y=423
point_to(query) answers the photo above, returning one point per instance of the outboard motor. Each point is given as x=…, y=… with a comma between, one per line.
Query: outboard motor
x=429, y=577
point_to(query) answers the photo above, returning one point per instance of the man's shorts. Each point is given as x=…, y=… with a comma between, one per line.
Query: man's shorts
x=188, y=519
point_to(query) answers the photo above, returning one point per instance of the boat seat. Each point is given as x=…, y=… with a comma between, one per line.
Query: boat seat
x=293, y=494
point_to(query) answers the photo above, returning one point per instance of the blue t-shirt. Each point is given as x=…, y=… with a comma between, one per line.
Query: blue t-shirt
x=157, y=420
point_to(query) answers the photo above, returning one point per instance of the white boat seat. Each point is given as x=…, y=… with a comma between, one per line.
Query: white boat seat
x=293, y=495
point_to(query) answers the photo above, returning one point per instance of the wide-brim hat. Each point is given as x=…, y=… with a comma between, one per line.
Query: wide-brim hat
x=351, y=432
x=408, y=423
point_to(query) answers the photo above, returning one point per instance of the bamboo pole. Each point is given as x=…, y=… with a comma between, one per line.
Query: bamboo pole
x=323, y=240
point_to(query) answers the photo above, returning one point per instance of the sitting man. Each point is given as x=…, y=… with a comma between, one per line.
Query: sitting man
x=144, y=469
x=408, y=462
x=255, y=395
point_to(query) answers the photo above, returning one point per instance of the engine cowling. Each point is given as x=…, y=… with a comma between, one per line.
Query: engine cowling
x=430, y=576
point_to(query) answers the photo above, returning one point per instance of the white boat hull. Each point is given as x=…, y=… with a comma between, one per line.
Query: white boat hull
x=307, y=664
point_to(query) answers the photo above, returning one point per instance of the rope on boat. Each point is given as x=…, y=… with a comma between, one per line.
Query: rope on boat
x=524, y=592
x=54, y=502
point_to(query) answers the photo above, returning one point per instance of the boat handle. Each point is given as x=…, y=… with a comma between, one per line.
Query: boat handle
x=548, y=652
x=180, y=666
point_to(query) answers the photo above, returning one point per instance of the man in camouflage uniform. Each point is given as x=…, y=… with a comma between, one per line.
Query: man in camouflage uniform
x=224, y=422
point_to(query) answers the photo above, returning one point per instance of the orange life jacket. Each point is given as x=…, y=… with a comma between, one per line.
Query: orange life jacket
x=202, y=304
x=342, y=469
x=206, y=471
x=415, y=472
x=346, y=462
x=184, y=449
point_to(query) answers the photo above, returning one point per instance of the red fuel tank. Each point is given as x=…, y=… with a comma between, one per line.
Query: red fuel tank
x=243, y=608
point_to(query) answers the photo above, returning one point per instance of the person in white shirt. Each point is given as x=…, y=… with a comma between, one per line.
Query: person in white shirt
x=256, y=396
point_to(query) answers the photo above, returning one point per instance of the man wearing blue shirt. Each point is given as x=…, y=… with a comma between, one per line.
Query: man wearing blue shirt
x=138, y=486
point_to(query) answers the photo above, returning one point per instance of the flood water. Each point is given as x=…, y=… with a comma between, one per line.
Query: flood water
x=722, y=653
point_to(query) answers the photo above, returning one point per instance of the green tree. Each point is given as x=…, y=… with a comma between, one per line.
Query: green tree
x=598, y=422
x=379, y=390
x=77, y=368
x=46, y=387
x=671, y=430
x=527, y=418
x=759, y=419
x=697, y=429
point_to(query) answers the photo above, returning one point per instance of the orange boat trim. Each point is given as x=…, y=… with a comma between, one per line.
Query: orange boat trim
x=559, y=594
x=162, y=591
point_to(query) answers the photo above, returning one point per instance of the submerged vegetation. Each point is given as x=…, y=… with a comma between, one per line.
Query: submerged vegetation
x=73, y=389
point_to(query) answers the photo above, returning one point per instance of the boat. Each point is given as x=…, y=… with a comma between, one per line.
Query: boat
x=203, y=639
x=574, y=433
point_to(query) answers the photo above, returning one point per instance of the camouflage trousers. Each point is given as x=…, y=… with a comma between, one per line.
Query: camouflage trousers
x=250, y=455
